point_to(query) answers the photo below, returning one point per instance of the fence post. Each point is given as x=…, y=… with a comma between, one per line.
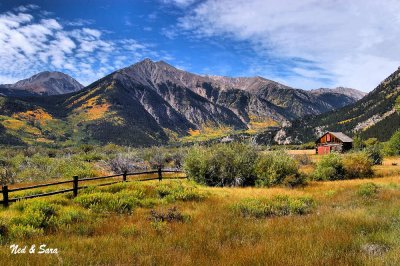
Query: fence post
x=5, y=196
x=124, y=176
x=159, y=173
x=75, y=186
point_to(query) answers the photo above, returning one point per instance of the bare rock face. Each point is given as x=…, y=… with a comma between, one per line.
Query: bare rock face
x=46, y=83
x=246, y=97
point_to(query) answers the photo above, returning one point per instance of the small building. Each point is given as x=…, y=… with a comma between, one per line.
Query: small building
x=333, y=141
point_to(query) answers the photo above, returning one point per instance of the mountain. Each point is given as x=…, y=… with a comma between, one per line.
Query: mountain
x=43, y=83
x=338, y=97
x=153, y=102
x=372, y=116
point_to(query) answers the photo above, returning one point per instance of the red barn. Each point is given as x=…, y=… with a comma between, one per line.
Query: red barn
x=333, y=141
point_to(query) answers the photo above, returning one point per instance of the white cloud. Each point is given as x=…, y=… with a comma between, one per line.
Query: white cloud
x=179, y=3
x=356, y=42
x=30, y=44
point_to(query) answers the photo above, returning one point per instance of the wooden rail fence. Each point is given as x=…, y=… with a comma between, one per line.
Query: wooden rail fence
x=75, y=184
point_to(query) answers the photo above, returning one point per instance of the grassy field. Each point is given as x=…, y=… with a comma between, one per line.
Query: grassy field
x=352, y=222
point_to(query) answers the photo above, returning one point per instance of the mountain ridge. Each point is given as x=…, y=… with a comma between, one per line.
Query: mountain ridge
x=44, y=83
x=372, y=116
x=151, y=103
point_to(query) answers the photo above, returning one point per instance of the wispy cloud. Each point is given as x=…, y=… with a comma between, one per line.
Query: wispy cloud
x=180, y=3
x=31, y=43
x=351, y=43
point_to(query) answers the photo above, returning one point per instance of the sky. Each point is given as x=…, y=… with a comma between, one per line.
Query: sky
x=305, y=44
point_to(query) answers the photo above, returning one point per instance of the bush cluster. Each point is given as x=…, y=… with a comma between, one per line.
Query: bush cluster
x=171, y=215
x=367, y=190
x=338, y=167
x=240, y=165
x=177, y=191
x=277, y=206
x=392, y=147
x=35, y=217
x=120, y=202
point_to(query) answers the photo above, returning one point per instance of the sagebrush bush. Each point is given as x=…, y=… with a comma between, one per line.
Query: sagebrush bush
x=357, y=165
x=126, y=163
x=302, y=159
x=238, y=164
x=4, y=231
x=274, y=168
x=222, y=165
x=330, y=167
x=176, y=191
x=21, y=231
x=277, y=206
x=367, y=190
x=71, y=215
x=37, y=214
x=171, y=215
x=108, y=202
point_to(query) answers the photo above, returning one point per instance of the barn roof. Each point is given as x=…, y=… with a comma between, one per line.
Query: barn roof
x=343, y=137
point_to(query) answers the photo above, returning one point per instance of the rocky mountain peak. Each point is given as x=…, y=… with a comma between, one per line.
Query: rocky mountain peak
x=47, y=82
x=352, y=93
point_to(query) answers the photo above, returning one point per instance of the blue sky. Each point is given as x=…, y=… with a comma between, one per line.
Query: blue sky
x=305, y=44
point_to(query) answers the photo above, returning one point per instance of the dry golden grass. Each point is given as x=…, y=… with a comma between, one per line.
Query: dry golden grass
x=306, y=152
x=333, y=234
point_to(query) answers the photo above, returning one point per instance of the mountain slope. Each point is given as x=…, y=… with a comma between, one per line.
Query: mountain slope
x=152, y=103
x=44, y=83
x=372, y=116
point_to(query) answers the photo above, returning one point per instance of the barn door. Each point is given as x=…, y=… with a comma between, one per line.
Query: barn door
x=324, y=150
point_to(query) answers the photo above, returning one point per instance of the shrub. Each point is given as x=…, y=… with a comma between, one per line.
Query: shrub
x=374, y=153
x=367, y=190
x=121, y=202
x=86, y=148
x=37, y=214
x=127, y=231
x=172, y=192
x=302, y=159
x=222, y=164
x=125, y=163
x=7, y=172
x=170, y=216
x=21, y=231
x=330, y=167
x=358, y=143
x=357, y=165
x=393, y=145
x=4, y=231
x=71, y=215
x=295, y=180
x=273, y=168
x=371, y=142
x=157, y=156
x=277, y=206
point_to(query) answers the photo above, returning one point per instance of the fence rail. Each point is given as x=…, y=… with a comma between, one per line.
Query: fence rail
x=5, y=190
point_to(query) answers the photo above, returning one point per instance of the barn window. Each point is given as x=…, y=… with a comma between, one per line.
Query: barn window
x=328, y=137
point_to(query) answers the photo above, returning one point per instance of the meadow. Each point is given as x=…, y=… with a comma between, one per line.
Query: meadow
x=240, y=205
x=342, y=222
